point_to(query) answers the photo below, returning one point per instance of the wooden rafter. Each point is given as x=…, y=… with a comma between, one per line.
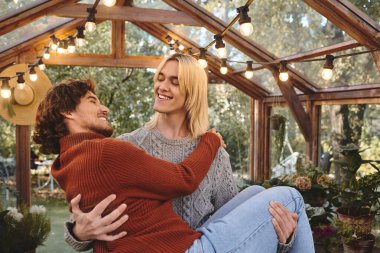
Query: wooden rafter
x=31, y=15
x=350, y=19
x=118, y=31
x=126, y=13
x=238, y=81
x=313, y=53
x=247, y=46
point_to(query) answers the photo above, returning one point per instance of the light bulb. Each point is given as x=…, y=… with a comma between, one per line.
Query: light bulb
x=246, y=29
x=33, y=75
x=54, y=46
x=223, y=70
x=60, y=50
x=221, y=52
x=109, y=3
x=248, y=74
x=203, y=63
x=20, y=86
x=172, y=51
x=327, y=74
x=6, y=93
x=15, y=1
x=284, y=76
x=46, y=55
x=181, y=47
x=42, y=66
x=80, y=42
x=90, y=26
x=71, y=49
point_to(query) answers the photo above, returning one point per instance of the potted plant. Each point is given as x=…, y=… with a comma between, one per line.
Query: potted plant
x=358, y=195
x=23, y=229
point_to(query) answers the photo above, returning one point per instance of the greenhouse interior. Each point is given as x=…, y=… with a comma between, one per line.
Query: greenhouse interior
x=293, y=87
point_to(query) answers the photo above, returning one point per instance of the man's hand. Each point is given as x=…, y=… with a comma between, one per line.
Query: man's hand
x=284, y=221
x=222, y=144
x=92, y=226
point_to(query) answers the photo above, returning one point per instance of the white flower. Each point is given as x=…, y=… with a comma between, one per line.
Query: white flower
x=37, y=209
x=13, y=212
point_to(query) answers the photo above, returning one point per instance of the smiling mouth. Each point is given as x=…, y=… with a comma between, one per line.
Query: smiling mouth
x=164, y=97
x=103, y=117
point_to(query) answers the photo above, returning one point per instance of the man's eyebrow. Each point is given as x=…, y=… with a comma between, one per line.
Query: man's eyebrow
x=92, y=97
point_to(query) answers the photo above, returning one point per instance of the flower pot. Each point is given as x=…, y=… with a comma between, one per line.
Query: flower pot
x=362, y=224
x=364, y=245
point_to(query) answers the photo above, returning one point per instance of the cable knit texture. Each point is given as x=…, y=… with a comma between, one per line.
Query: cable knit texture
x=97, y=167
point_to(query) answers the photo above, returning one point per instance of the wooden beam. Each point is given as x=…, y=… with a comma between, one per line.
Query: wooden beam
x=23, y=181
x=259, y=146
x=26, y=17
x=312, y=53
x=126, y=13
x=350, y=19
x=244, y=44
x=376, y=59
x=118, y=31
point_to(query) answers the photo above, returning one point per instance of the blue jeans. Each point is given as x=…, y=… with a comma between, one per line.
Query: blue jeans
x=244, y=224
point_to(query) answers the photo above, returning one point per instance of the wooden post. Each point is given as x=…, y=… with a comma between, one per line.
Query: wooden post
x=252, y=139
x=23, y=182
x=259, y=144
x=312, y=146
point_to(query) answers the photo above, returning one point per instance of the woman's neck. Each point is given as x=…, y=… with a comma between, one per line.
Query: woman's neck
x=172, y=127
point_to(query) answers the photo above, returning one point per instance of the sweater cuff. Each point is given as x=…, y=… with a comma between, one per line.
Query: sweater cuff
x=72, y=241
x=285, y=247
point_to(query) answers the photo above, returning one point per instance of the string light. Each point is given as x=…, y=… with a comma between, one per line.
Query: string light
x=61, y=49
x=170, y=40
x=41, y=64
x=32, y=74
x=284, y=75
x=91, y=21
x=20, y=80
x=202, y=58
x=246, y=27
x=54, y=42
x=5, y=88
x=223, y=66
x=328, y=67
x=249, y=70
x=71, y=45
x=109, y=3
x=221, y=50
x=179, y=45
x=46, y=54
x=172, y=50
x=80, y=36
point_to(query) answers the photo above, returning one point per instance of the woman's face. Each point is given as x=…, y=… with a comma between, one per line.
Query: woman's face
x=168, y=98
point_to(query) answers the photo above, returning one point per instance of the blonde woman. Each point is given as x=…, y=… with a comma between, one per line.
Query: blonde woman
x=181, y=117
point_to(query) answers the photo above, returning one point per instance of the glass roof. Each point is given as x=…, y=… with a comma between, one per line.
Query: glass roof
x=152, y=4
x=96, y=42
x=13, y=7
x=284, y=28
x=370, y=7
x=139, y=42
x=199, y=35
x=348, y=71
x=30, y=31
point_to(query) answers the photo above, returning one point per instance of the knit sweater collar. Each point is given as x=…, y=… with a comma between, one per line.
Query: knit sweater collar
x=73, y=139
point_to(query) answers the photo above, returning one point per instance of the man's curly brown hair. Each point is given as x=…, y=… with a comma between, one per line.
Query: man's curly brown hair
x=50, y=125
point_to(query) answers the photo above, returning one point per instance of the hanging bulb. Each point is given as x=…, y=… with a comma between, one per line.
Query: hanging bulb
x=109, y=3
x=46, y=54
x=91, y=22
x=284, y=75
x=202, y=58
x=221, y=50
x=41, y=64
x=20, y=80
x=80, y=36
x=15, y=1
x=5, y=88
x=249, y=70
x=328, y=67
x=71, y=45
x=54, y=42
x=246, y=27
x=223, y=67
x=61, y=49
x=172, y=50
x=179, y=45
x=170, y=39
x=32, y=74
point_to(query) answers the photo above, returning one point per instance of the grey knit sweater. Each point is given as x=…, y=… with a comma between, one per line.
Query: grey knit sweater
x=216, y=189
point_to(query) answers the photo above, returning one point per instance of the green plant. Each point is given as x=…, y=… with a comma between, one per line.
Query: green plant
x=278, y=123
x=23, y=229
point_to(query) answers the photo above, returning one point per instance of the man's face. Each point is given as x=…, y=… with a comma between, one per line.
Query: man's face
x=91, y=116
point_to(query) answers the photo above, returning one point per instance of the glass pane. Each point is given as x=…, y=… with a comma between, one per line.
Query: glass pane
x=370, y=7
x=139, y=42
x=283, y=27
x=153, y=4
x=98, y=41
x=199, y=35
x=10, y=8
x=286, y=144
x=345, y=124
x=348, y=71
x=30, y=31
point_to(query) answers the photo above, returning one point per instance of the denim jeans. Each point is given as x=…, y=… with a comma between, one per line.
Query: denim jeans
x=244, y=224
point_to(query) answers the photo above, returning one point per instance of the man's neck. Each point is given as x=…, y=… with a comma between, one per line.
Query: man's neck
x=172, y=127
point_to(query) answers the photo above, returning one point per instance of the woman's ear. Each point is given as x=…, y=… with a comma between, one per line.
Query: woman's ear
x=67, y=115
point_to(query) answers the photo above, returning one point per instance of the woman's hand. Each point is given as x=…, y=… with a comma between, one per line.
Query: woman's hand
x=92, y=226
x=284, y=221
x=222, y=144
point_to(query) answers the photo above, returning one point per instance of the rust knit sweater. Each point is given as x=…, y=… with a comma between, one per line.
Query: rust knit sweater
x=97, y=167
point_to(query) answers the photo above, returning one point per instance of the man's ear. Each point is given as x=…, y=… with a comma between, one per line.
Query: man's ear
x=67, y=115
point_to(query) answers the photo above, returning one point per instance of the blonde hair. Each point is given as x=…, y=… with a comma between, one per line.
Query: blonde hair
x=193, y=83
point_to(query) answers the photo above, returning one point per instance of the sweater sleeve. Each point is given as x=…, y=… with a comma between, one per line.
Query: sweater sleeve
x=149, y=177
